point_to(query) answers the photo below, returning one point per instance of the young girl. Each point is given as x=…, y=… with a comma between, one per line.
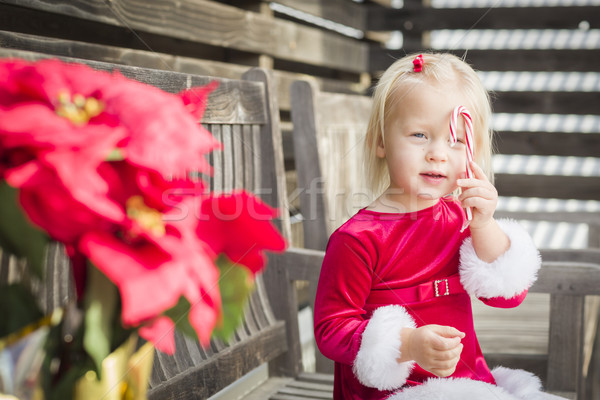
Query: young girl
x=393, y=308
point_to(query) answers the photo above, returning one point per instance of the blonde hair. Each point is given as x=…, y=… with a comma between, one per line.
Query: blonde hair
x=438, y=68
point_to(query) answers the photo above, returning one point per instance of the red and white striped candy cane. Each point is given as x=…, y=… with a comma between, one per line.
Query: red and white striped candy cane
x=469, y=142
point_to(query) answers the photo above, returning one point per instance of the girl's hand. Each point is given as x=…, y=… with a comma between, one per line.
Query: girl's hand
x=479, y=194
x=435, y=348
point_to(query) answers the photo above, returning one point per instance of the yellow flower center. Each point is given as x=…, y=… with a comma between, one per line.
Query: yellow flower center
x=78, y=109
x=148, y=218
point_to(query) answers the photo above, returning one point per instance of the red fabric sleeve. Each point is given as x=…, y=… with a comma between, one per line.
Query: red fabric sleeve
x=344, y=286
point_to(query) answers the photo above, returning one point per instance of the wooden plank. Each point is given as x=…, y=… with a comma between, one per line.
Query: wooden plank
x=219, y=25
x=340, y=11
x=316, y=377
x=228, y=158
x=283, y=299
x=301, y=264
x=582, y=217
x=232, y=363
x=305, y=393
x=548, y=143
x=547, y=102
x=548, y=186
x=565, y=342
x=568, y=279
x=503, y=60
x=427, y=19
x=272, y=181
x=267, y=389
x=323, y=387
x=306, y=153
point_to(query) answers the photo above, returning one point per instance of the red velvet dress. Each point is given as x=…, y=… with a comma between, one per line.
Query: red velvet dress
x=371, y=255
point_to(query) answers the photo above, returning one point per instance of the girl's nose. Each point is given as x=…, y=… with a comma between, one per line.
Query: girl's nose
x=437, y=151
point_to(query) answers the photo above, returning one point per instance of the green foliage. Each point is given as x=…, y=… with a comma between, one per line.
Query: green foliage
x=235, y=284
x=18, y=309
x=101, y=302
x=17, y=235
x=179, y=315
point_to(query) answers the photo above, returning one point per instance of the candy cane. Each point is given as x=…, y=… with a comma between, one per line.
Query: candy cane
x=470, y=143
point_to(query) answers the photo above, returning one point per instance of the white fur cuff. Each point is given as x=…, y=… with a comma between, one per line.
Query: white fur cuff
x=375, y=364
x=508, y=275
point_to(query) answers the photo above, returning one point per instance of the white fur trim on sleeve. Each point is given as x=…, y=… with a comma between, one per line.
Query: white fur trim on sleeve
x=508, y=275
x=375, y=364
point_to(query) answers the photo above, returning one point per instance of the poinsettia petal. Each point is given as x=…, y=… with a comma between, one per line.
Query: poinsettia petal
x=245, y=216
x=173, y=146
x=203, y=318
x=23, y=175
x=160, y=332
x=49, y=205
x=196, y=99
x=119, y=261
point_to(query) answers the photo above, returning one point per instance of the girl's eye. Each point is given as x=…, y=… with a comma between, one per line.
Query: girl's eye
x=419, y=135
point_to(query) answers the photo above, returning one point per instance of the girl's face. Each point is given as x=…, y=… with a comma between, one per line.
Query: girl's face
x=422, y=165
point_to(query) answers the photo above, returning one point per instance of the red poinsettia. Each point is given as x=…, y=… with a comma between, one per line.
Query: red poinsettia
x=90, y=152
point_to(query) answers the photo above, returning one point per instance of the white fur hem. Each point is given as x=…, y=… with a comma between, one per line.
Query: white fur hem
x=511, y=384
x=519, y=383
x=508, y=275
x=453, y=389
x=375, y=364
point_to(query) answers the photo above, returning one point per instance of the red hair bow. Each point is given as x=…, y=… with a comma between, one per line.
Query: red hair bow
x=418, y=63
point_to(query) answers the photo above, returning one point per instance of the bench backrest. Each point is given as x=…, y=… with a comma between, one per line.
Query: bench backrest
x=329, y=131
x=243, y=115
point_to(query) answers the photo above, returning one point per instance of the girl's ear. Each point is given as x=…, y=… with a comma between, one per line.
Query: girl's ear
x=380, y=150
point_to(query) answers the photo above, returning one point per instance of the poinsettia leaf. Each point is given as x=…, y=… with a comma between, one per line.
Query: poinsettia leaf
x=101, y=301
x=18, y=309
x=179, y=315
x=235, y=285
x=17, y=235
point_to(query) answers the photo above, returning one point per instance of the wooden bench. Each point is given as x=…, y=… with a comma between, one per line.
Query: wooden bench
x=243, y=115
x=324, y=164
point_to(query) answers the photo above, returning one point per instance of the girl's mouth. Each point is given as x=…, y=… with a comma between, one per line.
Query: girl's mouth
x=433, y=177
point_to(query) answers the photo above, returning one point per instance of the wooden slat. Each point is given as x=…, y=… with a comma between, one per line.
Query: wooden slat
x=575, y=217
x=217, y=161
x=234, y=362
x=568, y=278
x=316, y=377
x=547, y=102
x=565, y=342
x=228, y=163
x=218, y=25
x=340, y=11
x=427, y=19
x=504, y=60
x=303, y=393
x=301, y=264
x=548, y=143
x=306, y=154
x=272, y=185
x=548, y=186
x=584, y=256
